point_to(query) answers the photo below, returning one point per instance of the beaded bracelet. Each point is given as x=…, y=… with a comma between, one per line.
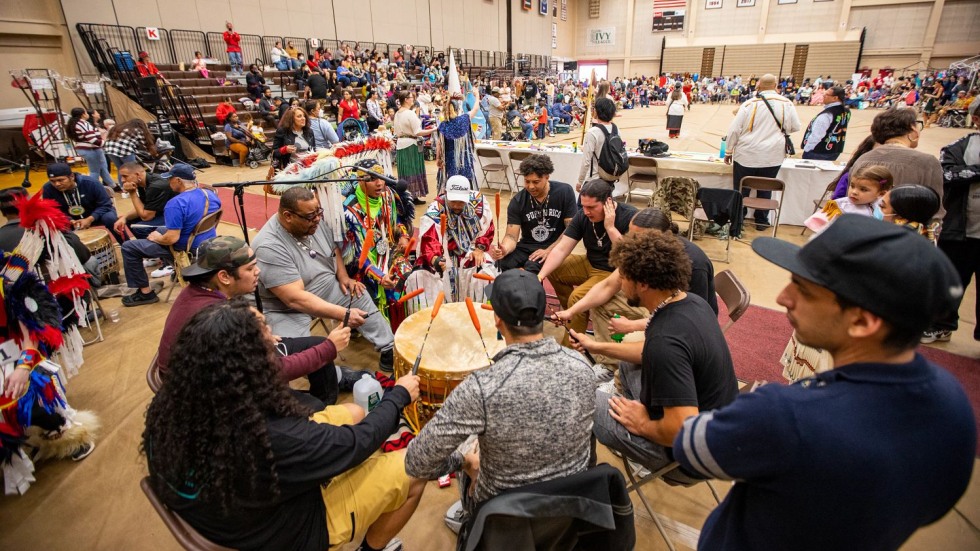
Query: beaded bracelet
x=28, y=359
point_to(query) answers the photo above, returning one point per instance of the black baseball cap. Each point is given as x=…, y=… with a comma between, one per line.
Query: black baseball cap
x=884, y=268
x=518, y=298
x=56, y=170
x=224, y=252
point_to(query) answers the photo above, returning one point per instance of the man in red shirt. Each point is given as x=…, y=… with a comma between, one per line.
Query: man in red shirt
x=234, y=48
x=226, y=268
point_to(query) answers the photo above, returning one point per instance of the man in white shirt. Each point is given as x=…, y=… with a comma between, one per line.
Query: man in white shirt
x=755, y=141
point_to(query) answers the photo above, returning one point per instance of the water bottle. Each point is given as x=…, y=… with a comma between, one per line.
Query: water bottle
x=724, y=146
x=367, y=393
x=618, y=337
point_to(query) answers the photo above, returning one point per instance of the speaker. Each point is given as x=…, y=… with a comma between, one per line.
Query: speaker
x=149, y=89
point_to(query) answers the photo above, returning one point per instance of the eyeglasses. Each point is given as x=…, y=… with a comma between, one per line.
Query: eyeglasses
x=311, y=216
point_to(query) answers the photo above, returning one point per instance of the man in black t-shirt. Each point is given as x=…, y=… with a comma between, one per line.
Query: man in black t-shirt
x=536, y=217
x=599, y=224
x=682, y=367
x=316, y=86
x=149, y=194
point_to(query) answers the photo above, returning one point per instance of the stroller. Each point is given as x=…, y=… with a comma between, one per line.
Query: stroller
x=161, y=162
x=352, y=129
x=258, y=153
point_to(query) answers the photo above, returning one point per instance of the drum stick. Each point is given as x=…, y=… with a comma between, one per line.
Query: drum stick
x=496, y=220
x=486, y=306
x=484, y=277
x=564, y=324
x=435, y=312
x=410, y=296
x=476, y=324
x=349, y=304
x=365, y=249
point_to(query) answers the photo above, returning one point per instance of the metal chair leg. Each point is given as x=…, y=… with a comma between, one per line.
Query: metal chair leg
x=94, y=306
x=713, y=491
x=635, y=486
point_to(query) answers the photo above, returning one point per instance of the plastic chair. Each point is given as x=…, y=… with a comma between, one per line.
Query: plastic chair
x=153, y=376
x=496, y=166
x=184, y=533
x=518, y=157
x=759, y=183
x=818, y=203
x=182, y=258
x=636, y=181
x=735, y=296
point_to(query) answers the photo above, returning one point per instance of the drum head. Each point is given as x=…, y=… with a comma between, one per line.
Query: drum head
x=453, y=348
x=91, y=236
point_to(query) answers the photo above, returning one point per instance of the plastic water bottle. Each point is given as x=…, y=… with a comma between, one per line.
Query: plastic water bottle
x=724, y=146
x=367, y=393
x=618, y=337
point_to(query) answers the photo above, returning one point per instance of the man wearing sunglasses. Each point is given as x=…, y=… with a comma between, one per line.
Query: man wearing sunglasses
x=302, y=276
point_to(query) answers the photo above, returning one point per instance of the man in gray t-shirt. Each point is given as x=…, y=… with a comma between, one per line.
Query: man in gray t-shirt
x=302, y=276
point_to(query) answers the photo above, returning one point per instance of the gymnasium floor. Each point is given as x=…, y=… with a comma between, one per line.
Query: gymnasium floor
x=97, y=504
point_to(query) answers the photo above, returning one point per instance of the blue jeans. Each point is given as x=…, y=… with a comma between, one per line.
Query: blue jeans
x=528, y=130
x=235, y=59
x=140, y=231
x=133, y=253
x=283, y=65
x=98, y=167
x=119, y=161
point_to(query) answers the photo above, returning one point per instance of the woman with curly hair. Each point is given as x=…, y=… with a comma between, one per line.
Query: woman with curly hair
x=235, y=454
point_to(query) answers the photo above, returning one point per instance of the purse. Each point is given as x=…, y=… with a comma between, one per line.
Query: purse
x=790, y=149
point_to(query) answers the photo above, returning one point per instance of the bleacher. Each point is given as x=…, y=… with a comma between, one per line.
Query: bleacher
x=189, y=101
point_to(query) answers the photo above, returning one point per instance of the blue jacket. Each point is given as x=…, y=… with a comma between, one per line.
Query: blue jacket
x=91, y=195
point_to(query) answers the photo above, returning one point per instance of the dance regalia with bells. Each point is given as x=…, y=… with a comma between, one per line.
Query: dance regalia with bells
x=37, y=325
x=370, y=243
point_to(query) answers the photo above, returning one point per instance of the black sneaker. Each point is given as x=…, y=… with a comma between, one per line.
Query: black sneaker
x=348, y=377
x=387, y=362
x=83, y=452
x=139, y=298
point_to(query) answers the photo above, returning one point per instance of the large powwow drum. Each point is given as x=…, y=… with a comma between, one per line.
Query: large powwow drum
x=453, y=351
x=98, y=241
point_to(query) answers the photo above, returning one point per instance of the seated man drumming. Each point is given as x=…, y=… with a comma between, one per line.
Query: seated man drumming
x=182, y=215
x=606, y=299
x=684, y=363
x=536, y=217
x=81, y=198
x=303, y=276
x=149, y=194
x=531, y=409
x=226, y=268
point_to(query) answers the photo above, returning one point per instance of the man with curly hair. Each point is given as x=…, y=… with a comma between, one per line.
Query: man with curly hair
x=682, y=367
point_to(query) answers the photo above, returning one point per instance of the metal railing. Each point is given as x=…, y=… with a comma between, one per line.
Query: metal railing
x=184, y=43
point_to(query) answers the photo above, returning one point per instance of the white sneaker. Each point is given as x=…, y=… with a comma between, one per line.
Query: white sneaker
x=454, y=516
x=602, y=374
x=151, y=262
x=394, y=545
x=165, y=271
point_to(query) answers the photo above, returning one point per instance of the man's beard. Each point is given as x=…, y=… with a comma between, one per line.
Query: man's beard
x=633, y=302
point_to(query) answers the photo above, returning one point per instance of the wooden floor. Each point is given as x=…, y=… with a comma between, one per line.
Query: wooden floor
x=97, y=504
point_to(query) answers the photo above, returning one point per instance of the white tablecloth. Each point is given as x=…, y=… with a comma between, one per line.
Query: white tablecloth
x=805, y=181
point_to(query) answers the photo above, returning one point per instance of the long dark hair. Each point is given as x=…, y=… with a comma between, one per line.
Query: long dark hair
x=76, y=115
x=206, y=433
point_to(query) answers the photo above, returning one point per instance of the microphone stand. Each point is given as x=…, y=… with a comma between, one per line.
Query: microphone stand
x=239, y=193
x=26, y=165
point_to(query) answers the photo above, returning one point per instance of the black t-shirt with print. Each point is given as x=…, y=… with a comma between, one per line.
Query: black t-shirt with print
x=156, y=194
x=525, y=211
x=590, y=234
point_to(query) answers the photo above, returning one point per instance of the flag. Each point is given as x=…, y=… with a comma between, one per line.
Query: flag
x=669, y=5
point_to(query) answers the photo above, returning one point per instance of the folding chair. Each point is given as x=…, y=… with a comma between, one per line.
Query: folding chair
x=677, y=194
x=735, y=296
x=153, y=377
x=518, y=157
x=497, y=167
x=184, y=533
x=636, y=486
x=726, y=208
x=638, y=181
x=182, y=258
x=818, y=203
x=759, y=183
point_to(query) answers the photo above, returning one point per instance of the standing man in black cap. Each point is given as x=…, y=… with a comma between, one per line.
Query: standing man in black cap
x=861, y=456
x=531, y=409
x=81, y=198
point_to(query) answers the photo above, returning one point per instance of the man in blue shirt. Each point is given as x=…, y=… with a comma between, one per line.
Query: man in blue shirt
x=861, y=456
x=181, y=215
x=81, y=198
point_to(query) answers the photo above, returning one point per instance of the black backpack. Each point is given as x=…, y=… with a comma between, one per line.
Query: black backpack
x=612, y=157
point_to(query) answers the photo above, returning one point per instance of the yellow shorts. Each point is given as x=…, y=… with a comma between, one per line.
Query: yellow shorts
x=356, y=498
